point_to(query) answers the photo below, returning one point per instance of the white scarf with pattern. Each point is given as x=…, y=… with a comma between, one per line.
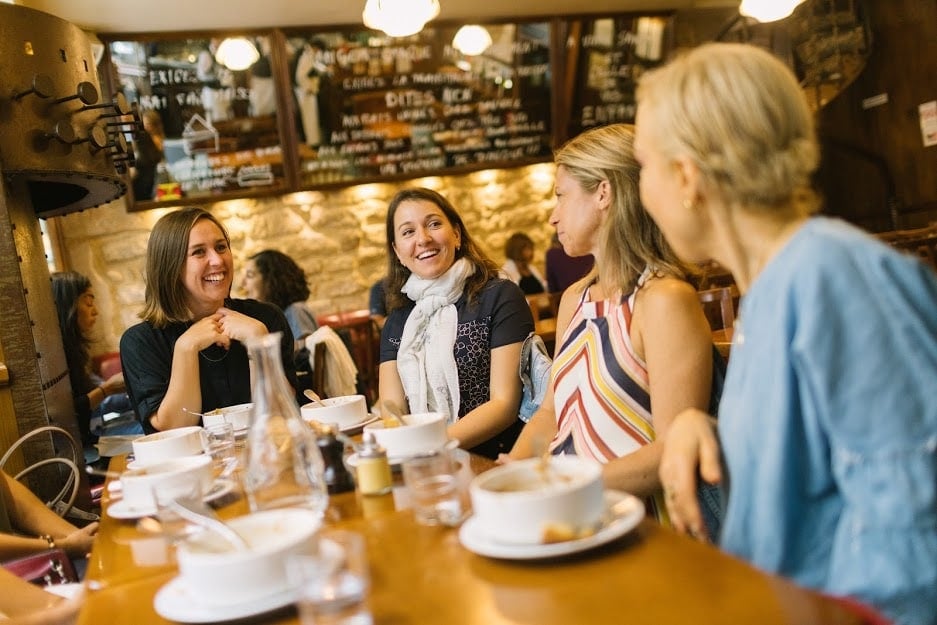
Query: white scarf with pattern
x=425, y=360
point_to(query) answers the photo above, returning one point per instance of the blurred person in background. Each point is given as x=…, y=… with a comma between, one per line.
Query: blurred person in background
x=563, y=269
x=93, y=396
x=519, y=267
x=272, y=276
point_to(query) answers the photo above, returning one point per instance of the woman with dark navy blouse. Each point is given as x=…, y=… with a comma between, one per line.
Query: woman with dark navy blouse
x=453, y=336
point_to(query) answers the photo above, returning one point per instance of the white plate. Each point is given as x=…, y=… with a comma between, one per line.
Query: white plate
x=175, y=602
x=120, y=509
x=623, y=514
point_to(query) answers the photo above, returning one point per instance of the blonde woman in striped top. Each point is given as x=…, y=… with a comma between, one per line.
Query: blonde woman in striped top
x=635, y=348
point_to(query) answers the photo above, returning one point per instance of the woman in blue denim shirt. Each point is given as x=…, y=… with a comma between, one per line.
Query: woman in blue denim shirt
x=827, y=430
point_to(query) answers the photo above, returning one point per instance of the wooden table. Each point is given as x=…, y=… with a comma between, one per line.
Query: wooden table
x=423, y=576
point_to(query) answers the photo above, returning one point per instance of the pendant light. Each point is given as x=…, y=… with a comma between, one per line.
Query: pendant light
x=472, y=40
x=237, y=53
x=768, y=10
x=399, y=18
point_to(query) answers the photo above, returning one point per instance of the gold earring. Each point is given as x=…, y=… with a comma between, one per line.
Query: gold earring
x=688, y=203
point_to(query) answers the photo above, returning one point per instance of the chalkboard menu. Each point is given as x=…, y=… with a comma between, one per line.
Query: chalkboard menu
x=371, y=107
x=608, y=56
x=209, y=130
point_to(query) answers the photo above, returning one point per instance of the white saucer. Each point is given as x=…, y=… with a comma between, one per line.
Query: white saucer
x=133, y=465
x=352, y=429
x=393, y=461
x=623, y=515
x=120, y=509
x=175, y=602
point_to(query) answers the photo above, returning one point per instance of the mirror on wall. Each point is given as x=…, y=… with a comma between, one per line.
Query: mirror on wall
x=606, y=56
x=211, y=130
x=371, y=107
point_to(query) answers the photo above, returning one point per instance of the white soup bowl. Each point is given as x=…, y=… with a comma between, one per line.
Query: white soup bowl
x=419, y=434
x=168, y=444
x=344, y=411
x=527, y=502
x=238, y=415
x=219, y=574
x=175, y=474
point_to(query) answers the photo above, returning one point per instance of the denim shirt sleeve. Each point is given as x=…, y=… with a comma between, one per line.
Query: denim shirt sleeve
x=869, y=374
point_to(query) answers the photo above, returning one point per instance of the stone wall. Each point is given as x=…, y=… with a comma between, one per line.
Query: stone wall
x=337, y=236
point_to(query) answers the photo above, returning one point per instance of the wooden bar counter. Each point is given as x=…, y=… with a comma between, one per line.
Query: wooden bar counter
x=423, y=576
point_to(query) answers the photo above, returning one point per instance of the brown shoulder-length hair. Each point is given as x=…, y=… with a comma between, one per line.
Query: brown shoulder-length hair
x=284, y=282
x=166, y=252
x=397, y=273
x=516, y=244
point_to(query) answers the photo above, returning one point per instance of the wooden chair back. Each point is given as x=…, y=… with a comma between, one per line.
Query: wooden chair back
x=318, y=370
x=543, y=306
x=363, y=342
x=921, y=242
x=720, y=305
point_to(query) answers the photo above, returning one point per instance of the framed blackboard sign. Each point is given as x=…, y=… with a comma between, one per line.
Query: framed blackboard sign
x=371, y=107
x=605, y=57
x=211, y=130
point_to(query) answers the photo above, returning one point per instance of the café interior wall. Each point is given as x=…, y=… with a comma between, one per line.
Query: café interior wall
x=336, y=235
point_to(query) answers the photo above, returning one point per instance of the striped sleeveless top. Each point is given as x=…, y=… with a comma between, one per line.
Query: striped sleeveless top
x=600, y=387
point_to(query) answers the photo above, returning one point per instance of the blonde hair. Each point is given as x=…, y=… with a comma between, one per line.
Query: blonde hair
x=739, y=113
x=165, y=296
x=629, y=240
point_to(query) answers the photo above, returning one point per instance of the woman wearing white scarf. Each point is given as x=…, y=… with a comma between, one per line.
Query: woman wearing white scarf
x=453, y=335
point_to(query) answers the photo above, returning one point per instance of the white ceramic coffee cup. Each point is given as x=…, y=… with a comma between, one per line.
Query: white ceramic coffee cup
x=168, y=444
x=524, y=502
x=137, y=486
x=343, y=411
x=419, y=434
x=238, y=415
x=218, y=574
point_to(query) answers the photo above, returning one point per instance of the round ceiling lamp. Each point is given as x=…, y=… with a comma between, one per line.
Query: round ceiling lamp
x=472, y=39
x=768, y=10
x=237, y=53
x=399, y=18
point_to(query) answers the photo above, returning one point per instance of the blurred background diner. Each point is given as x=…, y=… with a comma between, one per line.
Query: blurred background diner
x=272, y=276
x=520, y=267
x=101, y=405
x=562, y=269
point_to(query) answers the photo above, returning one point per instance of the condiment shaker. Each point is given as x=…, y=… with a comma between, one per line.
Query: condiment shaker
x=374, y=476
x=337, y=477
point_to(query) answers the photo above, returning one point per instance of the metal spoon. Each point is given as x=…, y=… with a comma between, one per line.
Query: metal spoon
x=187, y=511
x=114, y=475
x=192, y=412
x=389, y=414
x=311, y=394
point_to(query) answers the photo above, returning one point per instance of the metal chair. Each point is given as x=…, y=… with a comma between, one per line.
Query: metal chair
x=64, y=500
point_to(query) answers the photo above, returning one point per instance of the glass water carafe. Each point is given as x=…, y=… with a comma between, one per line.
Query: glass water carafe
x=284, y=467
